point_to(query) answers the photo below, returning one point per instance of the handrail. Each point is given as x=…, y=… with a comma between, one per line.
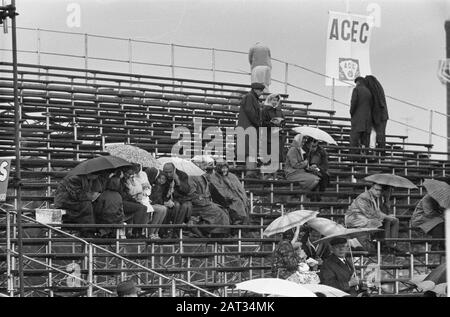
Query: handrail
x=112, y=253
x=207, y=82
x=202, y=48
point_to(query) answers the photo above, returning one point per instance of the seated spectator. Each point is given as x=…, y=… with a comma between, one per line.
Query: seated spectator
x=273, y=119
x=429, y=217
x=319, y=251
x=135, y=212
x=127, y=289
x=297, y=164
x=365, y=212
x=203, y=206
x=290, y=262
x=227, y=190
x=76, y=194
x=156, y=180
x=318, y=165
x=108, y=208
x=337, y=270
x=178, y=197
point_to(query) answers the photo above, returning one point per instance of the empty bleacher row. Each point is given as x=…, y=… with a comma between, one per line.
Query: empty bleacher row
x=68, y=115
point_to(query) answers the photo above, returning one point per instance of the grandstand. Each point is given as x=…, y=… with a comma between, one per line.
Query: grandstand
x=68, y=115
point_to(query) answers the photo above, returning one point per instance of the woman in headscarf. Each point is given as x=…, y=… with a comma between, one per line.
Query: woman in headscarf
x=273, y=119
x=296, y=165
x=227, y=190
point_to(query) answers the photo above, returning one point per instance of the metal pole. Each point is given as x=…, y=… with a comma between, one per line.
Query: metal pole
x=172, y=59
x=286, y=72
x=86, y=38
x=38, y=36
x=213, y=57
x=174, y=289
x=447, y=245
x=10, y=284
x=90, y=273
x=130, y=56
x=17, y=124
x=430, y=135
x=332, y=94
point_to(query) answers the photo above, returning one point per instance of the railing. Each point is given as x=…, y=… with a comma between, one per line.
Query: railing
x=90, y=247
x=280, y=68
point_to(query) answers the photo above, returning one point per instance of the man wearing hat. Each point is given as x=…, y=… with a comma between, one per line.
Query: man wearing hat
x=250, y=118
x=361, y=114
x=337, y=270
x=127, y=289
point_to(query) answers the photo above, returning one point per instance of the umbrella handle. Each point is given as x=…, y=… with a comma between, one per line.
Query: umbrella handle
x=297, y=232
x=351, y=256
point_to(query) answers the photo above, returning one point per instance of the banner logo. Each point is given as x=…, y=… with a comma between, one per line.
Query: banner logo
x=348, y=69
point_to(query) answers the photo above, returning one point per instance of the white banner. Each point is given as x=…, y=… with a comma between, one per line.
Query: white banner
x=348, y=42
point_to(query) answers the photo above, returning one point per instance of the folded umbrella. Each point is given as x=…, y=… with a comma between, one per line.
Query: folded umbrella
x=440, y=191
x=133, y=154
x=315, y=133
x=288, y=221
x=275, y=286
x=183, y=165
x=391, y=180
x=98, y=164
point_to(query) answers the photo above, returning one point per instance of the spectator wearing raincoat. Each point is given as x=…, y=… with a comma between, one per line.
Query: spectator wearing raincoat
x=429, y=217
x=203, y=206
x=227, y=191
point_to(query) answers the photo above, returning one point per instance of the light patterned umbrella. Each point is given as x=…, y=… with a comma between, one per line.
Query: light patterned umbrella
x=133, y=154
x=275, y=286
x=349, y=234
x=325, y=226
x=183, y=165
x=391, y=180
x=440, y=191
x=315, y=133
x=289, y=220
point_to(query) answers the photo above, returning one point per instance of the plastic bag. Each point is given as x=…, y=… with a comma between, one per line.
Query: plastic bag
x=373, y=139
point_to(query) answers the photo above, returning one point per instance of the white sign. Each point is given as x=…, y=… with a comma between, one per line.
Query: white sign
x=348, y=42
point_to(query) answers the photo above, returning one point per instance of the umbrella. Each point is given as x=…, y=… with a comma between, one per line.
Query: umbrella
x=325, y=226
x=315, y=133
x=325, y=289
x=440, y=191
x=133, y=154
x=349, y=233
x=98, y=164
x=183, y=165
x=438, y=275
x=275, y=286
x=288, y=221
x=391, y=180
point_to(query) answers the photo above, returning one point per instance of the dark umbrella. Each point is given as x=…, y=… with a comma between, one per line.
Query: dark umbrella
x=438, y=275
x=98, y=164
x=440, y=191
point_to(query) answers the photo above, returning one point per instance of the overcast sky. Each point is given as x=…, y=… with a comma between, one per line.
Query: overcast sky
x=405, y=49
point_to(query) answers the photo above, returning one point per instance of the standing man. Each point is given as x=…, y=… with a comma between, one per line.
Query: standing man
x=379, y=111
x=337, y=270
x=361, y=114
x=250, y=117
x=260, y=64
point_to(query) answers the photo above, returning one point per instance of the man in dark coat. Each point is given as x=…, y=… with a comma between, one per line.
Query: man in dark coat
x=250, y=116
x=75, y=194
x=361, y=114
x=337, y=270
x=178, y=196
x=317, y=157
x=379, y=110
